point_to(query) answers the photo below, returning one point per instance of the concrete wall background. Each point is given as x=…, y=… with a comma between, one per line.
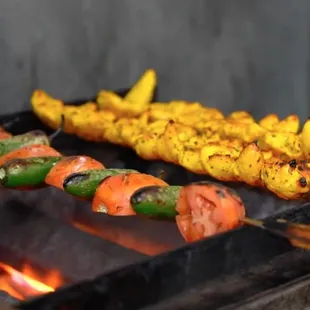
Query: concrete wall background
x=233, y=54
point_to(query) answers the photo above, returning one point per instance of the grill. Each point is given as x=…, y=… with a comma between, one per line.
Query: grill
x=134, y=263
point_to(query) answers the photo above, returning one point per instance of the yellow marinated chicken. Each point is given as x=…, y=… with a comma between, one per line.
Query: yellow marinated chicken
x=91, y=125
x=145, y=144
x=242, y=117
x=289, y=124
x=50, y=110
x=272, y=122
x=218, y=160
x=248, y=132
x=271, y=153
x=174, y=136
x=189, y=155
x=269, y=121
x=136, y=100
x=305, y=139
x=47, y=109
x=285, y=181
x=249, y=164
x=143, y=91
x=285, y=144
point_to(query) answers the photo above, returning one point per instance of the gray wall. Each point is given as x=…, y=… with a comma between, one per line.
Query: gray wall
x=234, y=54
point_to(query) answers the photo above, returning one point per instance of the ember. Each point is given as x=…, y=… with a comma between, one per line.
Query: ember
x=27, y=283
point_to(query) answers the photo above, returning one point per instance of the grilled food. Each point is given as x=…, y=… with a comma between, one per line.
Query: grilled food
x=205, y=209
x=26, y=173
x=84, y=184
x=117, y=202
x=69, y=165
x=200, y=139
x=136, y=100
x=200, y=209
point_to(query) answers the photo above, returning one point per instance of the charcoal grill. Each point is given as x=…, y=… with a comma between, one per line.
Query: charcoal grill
x=111, y=265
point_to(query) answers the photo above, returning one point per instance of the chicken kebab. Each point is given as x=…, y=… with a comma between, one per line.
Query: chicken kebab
x=271, y=153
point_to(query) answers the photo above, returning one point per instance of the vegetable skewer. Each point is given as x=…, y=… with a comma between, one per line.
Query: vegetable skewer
x=156, y=201
x=69, y=165
x=84, y=184
x=29, y=151
x=200, y=209
x=34, y=137
x=117, y=202
x=26, y=173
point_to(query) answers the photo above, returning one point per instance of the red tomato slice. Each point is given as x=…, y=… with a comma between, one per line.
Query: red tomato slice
x=69, y=165
x=37, y=150
x=206, y=209
x=114, y=193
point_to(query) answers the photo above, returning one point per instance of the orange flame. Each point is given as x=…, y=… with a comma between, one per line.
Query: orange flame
x=27, y=283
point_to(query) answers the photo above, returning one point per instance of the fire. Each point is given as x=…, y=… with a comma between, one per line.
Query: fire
x=27, y=282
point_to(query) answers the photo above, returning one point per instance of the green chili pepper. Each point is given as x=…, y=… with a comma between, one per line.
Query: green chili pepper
x=84, y=184
x=29, y=138
x=26, y=173
x=156, y=201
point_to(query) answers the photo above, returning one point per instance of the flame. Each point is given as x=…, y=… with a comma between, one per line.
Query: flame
x=27, y=283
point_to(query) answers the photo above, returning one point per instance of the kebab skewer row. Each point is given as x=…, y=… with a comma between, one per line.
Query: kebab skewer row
x=204, y=209
x=79, y=175
x=32, y=172
x=201, y=209
x=117, y=192
x=139, y=98
x=228, y=160
x=138, y=101
x=92, y=124
x=164, y=143
x=224, y=162
x=31, y=144
x=153, y=141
